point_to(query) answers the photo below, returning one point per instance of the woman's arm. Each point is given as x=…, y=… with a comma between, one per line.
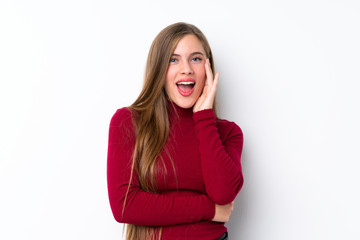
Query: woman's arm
x=220, y=145
x=144, y=208
x=220, y=151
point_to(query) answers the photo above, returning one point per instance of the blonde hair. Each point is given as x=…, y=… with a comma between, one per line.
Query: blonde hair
x=150, y=115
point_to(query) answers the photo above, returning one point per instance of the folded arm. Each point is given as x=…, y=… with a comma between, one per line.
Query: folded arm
x=220, y=151
x=140, y=207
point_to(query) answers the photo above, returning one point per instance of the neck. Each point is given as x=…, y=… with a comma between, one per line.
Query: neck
x=174, y=108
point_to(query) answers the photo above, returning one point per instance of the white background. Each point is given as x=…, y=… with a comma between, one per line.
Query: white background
x=289, y=73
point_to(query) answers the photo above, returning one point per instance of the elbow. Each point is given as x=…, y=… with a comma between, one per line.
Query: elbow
x=119, y=216
x=118, y=206
x=124, y=211
x=122, y=205
x=121, y=219
x=118, y=202
x=223, y=199
x=227, y=194
x=118, y=211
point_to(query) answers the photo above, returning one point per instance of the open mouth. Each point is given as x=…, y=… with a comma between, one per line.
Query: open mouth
x=185, y=88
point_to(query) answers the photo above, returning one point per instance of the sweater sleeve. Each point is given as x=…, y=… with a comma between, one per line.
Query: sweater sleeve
x=145, y=208
x=220, y=152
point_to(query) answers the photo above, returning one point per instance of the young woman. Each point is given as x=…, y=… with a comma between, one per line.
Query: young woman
x=173, y=167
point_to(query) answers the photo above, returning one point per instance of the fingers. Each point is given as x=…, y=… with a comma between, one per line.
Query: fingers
x=216, y=79
x=210, y=80
x=232, y=205
x=206, y=99
x=208, y=71
x=223, y=212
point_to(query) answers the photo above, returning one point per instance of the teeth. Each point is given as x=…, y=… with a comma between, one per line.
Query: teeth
x=186, y=83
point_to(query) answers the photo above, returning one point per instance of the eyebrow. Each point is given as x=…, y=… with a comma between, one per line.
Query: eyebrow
x=194, y=53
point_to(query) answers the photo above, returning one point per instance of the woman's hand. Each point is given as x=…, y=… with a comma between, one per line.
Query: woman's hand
x=223, y=212
x=206, y=99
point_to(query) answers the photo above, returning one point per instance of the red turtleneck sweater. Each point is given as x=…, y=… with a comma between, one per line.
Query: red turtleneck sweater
x=206, y=154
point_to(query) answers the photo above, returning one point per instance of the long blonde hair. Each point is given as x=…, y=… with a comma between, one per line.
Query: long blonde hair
x=150, y=115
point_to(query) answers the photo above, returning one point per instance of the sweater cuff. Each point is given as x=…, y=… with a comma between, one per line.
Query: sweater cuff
x=204, y=114
x=211, y=213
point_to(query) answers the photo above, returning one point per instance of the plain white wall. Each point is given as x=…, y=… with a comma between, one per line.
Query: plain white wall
x=289, y=78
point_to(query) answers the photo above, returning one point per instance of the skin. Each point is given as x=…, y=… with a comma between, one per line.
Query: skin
x=189, y=62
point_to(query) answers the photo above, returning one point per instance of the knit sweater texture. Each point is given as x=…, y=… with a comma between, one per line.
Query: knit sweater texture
x=206, y=154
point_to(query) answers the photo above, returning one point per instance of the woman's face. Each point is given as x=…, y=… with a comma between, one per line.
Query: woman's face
x=186, y=74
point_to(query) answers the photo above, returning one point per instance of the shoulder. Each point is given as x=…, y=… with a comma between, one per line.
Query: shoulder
x=121, y=116
x=121, y=126
x=228, y=128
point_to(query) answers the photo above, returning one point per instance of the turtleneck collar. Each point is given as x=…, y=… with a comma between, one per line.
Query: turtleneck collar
x=174, y=109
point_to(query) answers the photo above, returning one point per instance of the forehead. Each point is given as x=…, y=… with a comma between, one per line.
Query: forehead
x=189, y=44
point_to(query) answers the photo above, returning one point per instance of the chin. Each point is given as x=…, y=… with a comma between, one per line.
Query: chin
x=184, y=103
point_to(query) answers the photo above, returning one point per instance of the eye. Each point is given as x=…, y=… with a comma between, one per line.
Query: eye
x=196, y=59
x=173, y=60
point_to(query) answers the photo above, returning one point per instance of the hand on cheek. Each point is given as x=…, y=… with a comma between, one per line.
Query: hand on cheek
x=206, y=99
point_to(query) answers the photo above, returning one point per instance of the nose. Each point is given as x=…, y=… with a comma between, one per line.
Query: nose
x=186, y=68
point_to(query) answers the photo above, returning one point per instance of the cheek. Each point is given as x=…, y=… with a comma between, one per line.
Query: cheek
x=200, y=86
x=170, y=75
x=200, y=71
x=201, y=76
x=168, y=84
